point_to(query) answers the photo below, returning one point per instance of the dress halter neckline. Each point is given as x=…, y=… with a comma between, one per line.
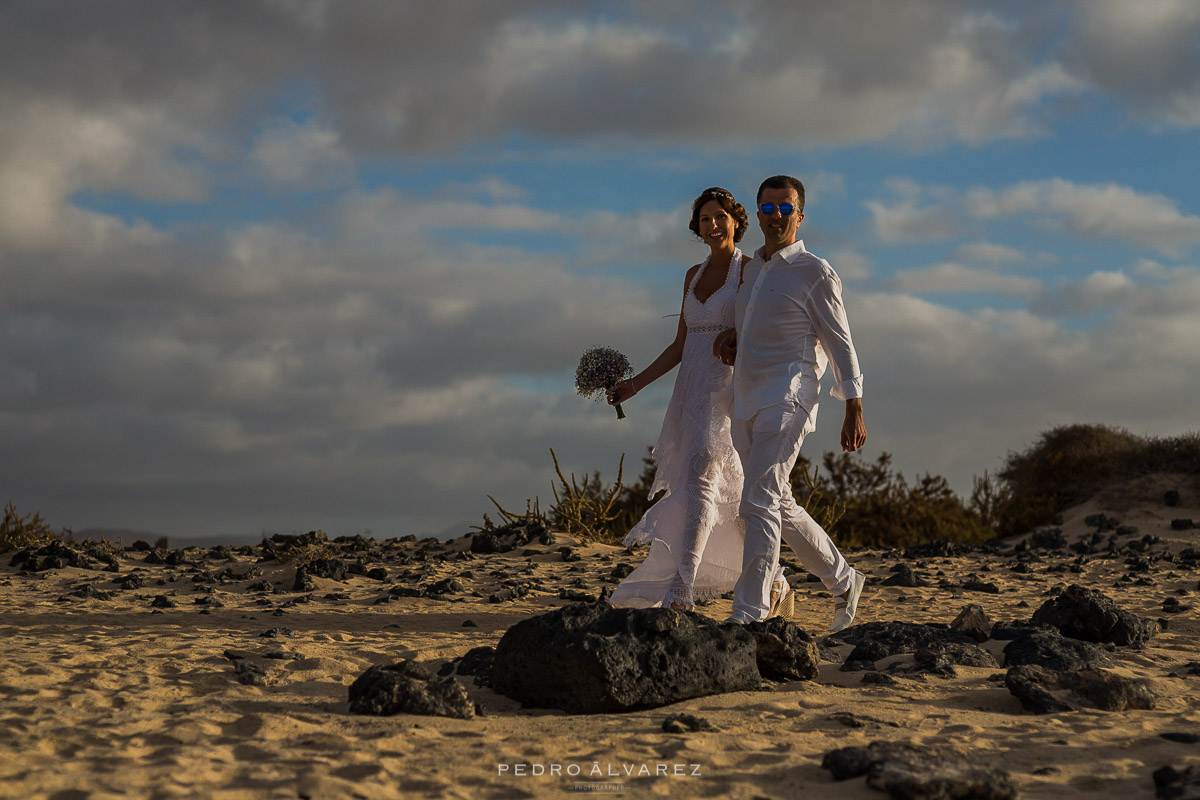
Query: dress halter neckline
x=733, y=259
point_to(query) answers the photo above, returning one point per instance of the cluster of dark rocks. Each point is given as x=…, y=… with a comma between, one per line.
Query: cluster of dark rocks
x=59, y=555
x=913, y=771
x=511, y=536
x=590, y=657
x=935, y=647
x=1064, y=648
x=408, y=688
x=1177, y=784
x=408, y=568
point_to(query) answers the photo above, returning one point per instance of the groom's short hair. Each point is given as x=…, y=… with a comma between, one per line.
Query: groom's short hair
x=782, y=182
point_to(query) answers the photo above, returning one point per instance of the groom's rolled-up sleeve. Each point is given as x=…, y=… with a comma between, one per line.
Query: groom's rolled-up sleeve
x=828, y=315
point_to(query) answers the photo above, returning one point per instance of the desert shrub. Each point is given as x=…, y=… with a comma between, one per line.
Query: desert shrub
x=881, y=509
x=18, y=531
x=1071, y=463
x=297, y=549
x=587, y=508
x=304, y=554
x=867, y=504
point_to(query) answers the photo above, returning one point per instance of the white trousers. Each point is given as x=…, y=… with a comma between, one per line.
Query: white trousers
x=768, y=445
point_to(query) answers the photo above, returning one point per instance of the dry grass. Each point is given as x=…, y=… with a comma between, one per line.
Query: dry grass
x=18, y=531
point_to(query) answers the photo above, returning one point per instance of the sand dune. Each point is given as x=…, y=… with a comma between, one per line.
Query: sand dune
x=107, y=697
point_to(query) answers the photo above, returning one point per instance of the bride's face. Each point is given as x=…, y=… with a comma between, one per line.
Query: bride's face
x=716, y=226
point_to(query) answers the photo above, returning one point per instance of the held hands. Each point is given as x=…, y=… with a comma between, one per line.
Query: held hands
x=621, y=392
x=854, y=430
x=725, y=346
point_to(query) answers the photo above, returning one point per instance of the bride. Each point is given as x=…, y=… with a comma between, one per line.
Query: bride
x=694, y=533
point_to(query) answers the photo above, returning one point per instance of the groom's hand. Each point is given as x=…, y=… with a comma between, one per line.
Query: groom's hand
x=854, y=430
x=725, y=346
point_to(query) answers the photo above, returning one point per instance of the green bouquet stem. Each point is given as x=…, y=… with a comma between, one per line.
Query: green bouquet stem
x=620, y=413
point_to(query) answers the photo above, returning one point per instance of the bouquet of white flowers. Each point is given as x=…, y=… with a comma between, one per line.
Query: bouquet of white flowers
x=599, y=370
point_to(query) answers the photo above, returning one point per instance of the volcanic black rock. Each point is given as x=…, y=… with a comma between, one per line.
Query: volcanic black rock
x=131, y=581
x=905, y=576
x=405, y=688
x=1089, y=615
x=1047, y=539
x=250, y=673
x=686, y=723
x=784, y=651
x=595, y=658
x=53, y=555
x=973, y=622
x=1176, y=784
x=1107, y=691
x=939, y=548
x=974, y=584
x=478, y=662
x=877, y=640
x=446, y=586
x=510, y=537
x=329, y=568
x=1031, y=685
x=304, y=581
x=914, y=771
x=1047, y=648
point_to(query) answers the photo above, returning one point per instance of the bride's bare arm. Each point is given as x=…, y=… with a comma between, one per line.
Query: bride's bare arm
x=667, y=360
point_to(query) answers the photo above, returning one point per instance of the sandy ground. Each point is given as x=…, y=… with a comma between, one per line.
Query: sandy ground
x=109, y=697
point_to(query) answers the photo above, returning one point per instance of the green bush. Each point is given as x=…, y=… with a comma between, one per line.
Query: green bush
x=861, y=504
x=1071, y=463
x=879, y=508
x=869, y=504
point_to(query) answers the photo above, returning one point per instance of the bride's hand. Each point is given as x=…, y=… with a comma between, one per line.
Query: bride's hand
x=725, y=346
x=621, y=392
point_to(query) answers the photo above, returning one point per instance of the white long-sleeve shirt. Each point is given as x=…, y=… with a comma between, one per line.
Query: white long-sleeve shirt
x=791, y=323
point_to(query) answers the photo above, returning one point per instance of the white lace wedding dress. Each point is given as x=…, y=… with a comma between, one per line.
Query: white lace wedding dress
x=694, y=533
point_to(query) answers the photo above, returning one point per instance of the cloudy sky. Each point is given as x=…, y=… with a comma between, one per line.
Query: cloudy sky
x=294, y=264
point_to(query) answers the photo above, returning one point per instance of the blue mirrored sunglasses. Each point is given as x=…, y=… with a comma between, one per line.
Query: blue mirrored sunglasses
x=785, y=209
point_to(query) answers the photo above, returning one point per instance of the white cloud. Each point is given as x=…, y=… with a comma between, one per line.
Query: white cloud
x=915, y=213
x=304, y=156
x=1145, y=52
x=821, y=185
x=951, y=393
x=50, y=150
x=300, y=381
x=1098, y=291
x=850, y=264
x=953, y=278
x=1094, y=211
x=430, y=78
x=989, y=253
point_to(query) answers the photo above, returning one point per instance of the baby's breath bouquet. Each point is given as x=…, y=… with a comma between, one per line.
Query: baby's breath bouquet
x=599, y=370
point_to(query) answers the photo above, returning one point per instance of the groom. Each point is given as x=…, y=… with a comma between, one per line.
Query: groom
x=790, y=324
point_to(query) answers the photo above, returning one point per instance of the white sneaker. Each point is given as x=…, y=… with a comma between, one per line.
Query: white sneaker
x=736, y=619
x=846, y=609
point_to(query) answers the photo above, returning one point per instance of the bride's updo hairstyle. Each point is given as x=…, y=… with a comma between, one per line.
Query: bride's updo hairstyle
x=735, y=210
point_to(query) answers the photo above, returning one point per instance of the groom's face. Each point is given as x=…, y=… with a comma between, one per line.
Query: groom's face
x=778, y=229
